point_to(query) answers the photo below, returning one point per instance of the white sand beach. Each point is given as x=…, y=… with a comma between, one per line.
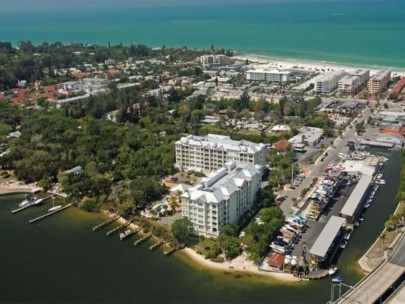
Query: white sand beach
x=266, y=62
x=240, y=264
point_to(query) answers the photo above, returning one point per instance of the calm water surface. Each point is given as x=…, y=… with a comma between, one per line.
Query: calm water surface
x=62, y=260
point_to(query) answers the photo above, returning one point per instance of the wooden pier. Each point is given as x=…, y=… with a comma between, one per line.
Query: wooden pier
x=26, y=207
x=156, y=245
x=116, y=229
x=172, y=250
x=49, y=214
x=148, y=236
x=106, y=223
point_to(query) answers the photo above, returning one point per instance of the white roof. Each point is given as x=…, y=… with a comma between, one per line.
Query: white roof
x=281, y=128
x=357, y=166
x=327, y=236
x=180, y=188
x=220, y=142
x=221, y=184
x=355, y=198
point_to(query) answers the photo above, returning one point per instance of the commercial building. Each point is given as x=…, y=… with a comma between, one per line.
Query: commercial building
x=328, y=82
x=309, y=136
x=221, y=198
x=390, y=138
x=272, y=76
x=399, y=86
x=379, y=81
x=211, y=152
x=394, y=129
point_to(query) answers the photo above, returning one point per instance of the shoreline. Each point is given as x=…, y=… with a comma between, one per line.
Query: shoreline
x=237, y=265
x=274, y=62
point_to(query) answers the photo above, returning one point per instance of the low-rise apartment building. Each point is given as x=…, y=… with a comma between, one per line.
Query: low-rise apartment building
x=221, y=198
x=271, y=76
x=211, y=152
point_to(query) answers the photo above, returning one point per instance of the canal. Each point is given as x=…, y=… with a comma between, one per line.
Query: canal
x=61, y=260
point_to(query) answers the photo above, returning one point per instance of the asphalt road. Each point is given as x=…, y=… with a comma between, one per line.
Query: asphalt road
x=318, y=167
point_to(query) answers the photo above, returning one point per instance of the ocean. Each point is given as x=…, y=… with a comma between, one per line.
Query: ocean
x=354, y=32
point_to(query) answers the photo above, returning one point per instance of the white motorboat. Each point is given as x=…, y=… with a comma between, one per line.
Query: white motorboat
x=379, y=176
x=287, y=259
x=356, y=224
x=126, y=233
x=346, y=236
x=332, y=270
x=54, y=208
x=381, y=182
x=294, y=260
x=369, y=201
x=343, y=245
x=367, y=205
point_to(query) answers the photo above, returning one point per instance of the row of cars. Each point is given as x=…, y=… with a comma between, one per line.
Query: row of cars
x=290, y=233
x=297, y=181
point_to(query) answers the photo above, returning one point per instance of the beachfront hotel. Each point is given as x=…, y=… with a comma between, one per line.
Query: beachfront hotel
x=379, y=81
x=221, y=198
x=271, y=76
x=211, y=152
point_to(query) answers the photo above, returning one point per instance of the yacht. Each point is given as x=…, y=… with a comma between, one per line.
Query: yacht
x=124, y=234
x=381, y=181
x=346, y=236
x=30, y=200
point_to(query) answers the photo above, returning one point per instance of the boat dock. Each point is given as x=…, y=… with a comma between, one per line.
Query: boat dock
x=148, y=236
x=116, y=229
x=26, y=207
x=172, y=250
x=156, y=245
x=106, y=223
x=49, y=214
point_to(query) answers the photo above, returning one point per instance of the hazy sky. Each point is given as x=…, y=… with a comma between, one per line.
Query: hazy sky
x=77, y=4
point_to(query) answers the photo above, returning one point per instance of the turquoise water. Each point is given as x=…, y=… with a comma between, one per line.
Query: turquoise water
x=348, y=31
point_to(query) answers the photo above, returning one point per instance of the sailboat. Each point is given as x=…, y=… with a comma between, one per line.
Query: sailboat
x=54, y=208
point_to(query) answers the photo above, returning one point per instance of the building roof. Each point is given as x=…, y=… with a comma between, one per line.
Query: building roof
x=327, y=236
x=220, y=142
x=281, y=128
x=357, y=166
x=399, y=86
x=221, y=184
x=180, y=188
x=276, y=260
x=355, y=198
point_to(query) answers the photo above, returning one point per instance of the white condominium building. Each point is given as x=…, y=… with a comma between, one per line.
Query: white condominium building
x=349, y=84
x=328, y=82
x=213, y=59
x=211, y=152
x=379, y=81
x=363, y=74
x=263, y=75
x=221, y=198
